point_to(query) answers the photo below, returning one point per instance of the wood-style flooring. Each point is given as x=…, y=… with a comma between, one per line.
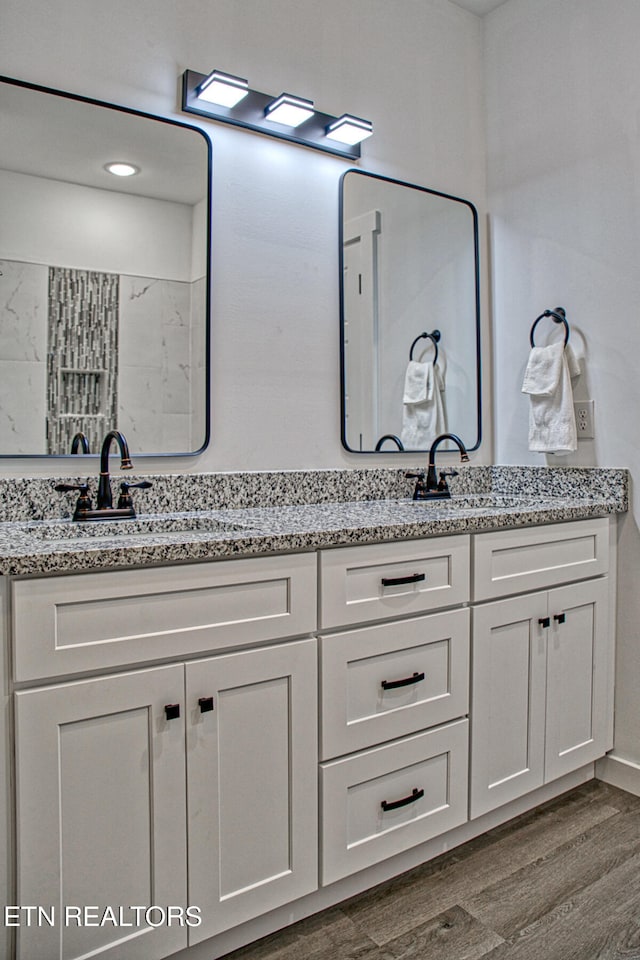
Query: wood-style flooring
x=559, y=883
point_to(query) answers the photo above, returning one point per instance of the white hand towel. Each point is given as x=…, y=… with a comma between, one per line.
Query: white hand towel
x=542, y=375
x=547, y=380
x=423, y=411
x=418, y=382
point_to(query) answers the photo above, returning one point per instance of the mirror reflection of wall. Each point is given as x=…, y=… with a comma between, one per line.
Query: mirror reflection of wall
x=104, y=280
x=409, y=266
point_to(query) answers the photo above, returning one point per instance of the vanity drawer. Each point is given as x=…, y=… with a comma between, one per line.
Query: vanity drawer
x=383, y=801
x=387, y=681
x=67, y=624
x=384, y=580
x=514, y=561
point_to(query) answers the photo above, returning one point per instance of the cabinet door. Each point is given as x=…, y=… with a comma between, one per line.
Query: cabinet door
x=507, y=700
x=101, y=816
x=252, y=782
x=577, y=676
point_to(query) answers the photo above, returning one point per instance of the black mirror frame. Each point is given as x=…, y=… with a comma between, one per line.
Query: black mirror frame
x=476, y=245
x=175, y=123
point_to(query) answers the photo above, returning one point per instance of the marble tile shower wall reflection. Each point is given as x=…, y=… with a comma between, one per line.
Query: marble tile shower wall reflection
x=23, y=356
x=159, y=354
x=198, y=370
x=154, y=409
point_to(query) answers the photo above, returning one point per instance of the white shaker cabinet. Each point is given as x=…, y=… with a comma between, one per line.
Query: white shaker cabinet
x=541, y=665
x=169, y=749
x=101, y=815
x=397, y=692
x=191, y=784
x=252, y=782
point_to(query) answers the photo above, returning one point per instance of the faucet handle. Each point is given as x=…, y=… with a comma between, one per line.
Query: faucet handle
x=84, y=502
x=443, y=485
x=125, y=501
x=420, y=492
x=67, y=487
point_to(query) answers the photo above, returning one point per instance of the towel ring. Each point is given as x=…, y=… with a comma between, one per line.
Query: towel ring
x=558, y=316
x=434, y=337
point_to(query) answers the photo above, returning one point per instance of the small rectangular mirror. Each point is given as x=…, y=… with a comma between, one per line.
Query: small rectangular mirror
x=410, y=316
x=104, y=279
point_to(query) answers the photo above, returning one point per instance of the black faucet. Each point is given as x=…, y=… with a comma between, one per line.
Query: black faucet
x=104, y=504
x=80, y=441
x=389, y=436
x=104, y=500
x=433, y=488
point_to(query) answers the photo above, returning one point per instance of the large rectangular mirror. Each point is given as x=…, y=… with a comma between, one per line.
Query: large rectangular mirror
x=410, y=315
x=104, y=279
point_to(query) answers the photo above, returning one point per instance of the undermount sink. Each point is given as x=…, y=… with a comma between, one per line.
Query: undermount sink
x=54, y=530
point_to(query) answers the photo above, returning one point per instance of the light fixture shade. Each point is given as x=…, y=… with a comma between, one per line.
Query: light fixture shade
x=289, y=110
x=223, y=89
x=348, y=129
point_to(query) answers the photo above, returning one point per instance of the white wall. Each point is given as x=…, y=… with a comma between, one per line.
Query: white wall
x=413, y=68
x=69, y=225
x=563, y=141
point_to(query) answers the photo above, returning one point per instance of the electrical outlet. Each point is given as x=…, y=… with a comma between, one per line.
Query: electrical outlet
x=584, y=419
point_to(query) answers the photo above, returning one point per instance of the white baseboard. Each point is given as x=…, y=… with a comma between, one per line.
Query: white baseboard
x=619, y=773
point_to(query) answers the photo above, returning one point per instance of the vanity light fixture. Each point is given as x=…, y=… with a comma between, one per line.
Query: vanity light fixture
x=119, y=168
x=288, y=110
x=223, y=89
x=348, y=129
x=228, y=99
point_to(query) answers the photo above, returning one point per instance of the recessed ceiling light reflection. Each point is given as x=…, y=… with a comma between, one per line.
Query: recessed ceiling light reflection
x=121, y=169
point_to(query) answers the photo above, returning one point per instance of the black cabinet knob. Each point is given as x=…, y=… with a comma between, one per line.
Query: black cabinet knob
x=205, y=704
x=172, y=711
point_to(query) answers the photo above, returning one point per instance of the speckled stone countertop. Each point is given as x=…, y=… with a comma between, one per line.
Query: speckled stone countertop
x=194, y=517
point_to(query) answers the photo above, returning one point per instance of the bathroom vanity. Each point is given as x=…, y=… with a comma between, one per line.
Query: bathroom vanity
x=253, y=719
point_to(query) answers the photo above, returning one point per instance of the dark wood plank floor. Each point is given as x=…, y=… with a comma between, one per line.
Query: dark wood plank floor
x=559, y=883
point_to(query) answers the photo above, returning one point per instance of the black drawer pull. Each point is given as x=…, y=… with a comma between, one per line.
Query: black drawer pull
x=394, y=804
x=559, y=617
x=172, y=711
x=396, y=581
x=544, y=622
x=205, y=704
x=405, y=682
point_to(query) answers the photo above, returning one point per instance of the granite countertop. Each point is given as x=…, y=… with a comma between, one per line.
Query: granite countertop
x=49, y=545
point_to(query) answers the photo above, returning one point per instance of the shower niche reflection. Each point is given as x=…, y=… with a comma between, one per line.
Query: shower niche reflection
x=410, y=337
x=82, y=357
